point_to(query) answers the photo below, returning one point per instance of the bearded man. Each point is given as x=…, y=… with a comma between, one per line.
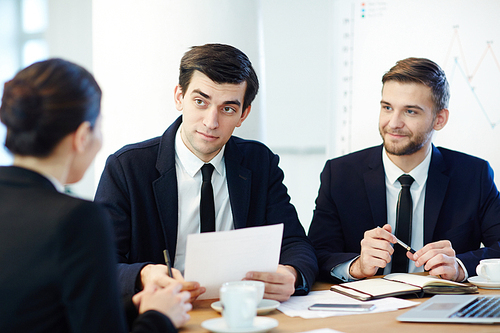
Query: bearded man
x=440, y=202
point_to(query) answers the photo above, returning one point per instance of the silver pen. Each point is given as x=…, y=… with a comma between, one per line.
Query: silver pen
x=408, y=248
x=403, y=244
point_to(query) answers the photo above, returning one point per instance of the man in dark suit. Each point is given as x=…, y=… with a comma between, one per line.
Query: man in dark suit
x=152, y=188
x=454, y=207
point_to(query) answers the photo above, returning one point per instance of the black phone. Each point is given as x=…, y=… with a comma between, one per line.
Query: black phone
x=342, y=307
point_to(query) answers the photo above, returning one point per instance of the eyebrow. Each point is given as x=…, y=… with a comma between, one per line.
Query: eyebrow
x=406, y=106
x=198, y=91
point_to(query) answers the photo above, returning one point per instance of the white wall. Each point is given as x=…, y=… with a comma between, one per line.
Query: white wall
x=69, y=36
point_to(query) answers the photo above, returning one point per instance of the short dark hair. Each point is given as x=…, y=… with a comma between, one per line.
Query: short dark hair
x=45, y=102
x=426, y=72
x=222, y=64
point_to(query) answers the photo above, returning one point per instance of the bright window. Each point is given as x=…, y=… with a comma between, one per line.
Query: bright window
x=20, y=48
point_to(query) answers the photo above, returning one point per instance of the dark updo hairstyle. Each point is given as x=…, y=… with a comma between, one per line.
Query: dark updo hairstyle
x=45, y=102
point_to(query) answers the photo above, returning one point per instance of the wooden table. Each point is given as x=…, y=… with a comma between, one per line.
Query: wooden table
x=364, y=323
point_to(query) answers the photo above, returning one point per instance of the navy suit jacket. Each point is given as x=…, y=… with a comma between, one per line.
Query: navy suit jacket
x=139, y=187
x=462, y=205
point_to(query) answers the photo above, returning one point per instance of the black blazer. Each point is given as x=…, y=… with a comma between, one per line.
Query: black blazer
x=139, y=187
x=462, y=204
x=58, y=269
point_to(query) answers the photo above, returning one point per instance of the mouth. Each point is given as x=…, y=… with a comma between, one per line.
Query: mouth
x=396, y=135
x=208, y=137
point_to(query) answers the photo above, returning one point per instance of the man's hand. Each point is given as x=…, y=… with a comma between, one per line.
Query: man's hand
x=376, y=252
x=439, y=259
x=280, y=285
x=158, y=275
x=169, y=301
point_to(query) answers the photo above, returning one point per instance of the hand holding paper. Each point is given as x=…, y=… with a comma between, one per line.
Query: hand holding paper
x=280, y=285
x=213, y=258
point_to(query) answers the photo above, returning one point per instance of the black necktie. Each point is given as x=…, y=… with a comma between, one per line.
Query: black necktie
x=207, y=208
x=404, y=214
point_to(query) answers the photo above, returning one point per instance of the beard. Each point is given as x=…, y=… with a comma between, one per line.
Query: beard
x=417, y=141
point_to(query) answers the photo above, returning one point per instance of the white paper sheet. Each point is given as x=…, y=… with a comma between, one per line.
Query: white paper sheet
x=297, y=306
x=213, y=258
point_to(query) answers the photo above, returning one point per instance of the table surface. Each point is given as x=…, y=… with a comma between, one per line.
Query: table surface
x=365, y=323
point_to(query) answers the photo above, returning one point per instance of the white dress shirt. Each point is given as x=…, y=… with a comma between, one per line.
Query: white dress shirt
x=187, y=166
x=417, y=190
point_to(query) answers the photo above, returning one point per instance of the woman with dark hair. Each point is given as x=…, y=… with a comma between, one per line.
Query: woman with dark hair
x=57, y=262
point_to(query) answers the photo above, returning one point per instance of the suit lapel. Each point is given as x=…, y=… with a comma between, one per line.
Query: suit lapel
x=239, y=180
x=375, y=187
x=437, y=184
x=165, y=188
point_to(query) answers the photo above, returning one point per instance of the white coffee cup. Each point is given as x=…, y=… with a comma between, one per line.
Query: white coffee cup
x=257, y=284
x=489, y=269
x=239, y=305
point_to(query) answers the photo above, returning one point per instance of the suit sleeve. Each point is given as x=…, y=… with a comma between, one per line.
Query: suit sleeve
x=489, y=219
x=114, y=194
x=296, y=249
x=326, y=232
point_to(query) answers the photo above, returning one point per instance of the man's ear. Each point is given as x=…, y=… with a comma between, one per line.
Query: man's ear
x=441, y=119
x=82, y=137
x=178, y=98
x=244, y=115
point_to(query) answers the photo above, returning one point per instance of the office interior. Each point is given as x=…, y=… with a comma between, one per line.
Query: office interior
x=319, y=64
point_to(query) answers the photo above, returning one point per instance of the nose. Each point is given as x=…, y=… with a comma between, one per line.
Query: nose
x=396, y=120
x=211, y=118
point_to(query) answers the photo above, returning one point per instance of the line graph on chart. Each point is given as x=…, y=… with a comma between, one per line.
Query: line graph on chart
x=481, y=81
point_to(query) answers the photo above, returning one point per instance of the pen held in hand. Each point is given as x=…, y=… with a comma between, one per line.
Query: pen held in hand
x=408, y=248
x=167, y=262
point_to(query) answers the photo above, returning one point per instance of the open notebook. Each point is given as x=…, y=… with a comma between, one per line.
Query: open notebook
x=397, y=284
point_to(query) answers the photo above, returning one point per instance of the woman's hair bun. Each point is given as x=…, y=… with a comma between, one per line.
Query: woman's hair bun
x=21, y=106
x=45, y=102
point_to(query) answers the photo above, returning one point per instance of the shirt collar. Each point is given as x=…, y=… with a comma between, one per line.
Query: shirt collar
x=57, y=184
x=419, y=173
x=192, y=164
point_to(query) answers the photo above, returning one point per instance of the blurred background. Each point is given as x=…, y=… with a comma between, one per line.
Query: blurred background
x=320, y=65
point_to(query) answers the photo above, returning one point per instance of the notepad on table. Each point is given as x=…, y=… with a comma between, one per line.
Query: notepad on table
x=398, y=284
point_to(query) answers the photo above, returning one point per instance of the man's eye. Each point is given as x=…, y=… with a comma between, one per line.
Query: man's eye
x=199, y=102
x=228, y=109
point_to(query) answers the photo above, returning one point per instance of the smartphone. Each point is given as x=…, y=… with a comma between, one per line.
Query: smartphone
x=342, y=307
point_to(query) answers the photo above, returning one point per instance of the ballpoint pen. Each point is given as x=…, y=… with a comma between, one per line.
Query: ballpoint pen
x=167, y=262
x=408, y=248
x=400, y=242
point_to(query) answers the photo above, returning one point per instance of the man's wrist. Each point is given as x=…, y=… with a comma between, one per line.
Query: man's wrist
x=298, y=279
x=355, y=269
x=462, y=271
x=139, y=284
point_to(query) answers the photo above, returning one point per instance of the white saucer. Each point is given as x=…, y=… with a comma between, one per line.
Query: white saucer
x=260, y=324
x=483, y=283
x=265, y=306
